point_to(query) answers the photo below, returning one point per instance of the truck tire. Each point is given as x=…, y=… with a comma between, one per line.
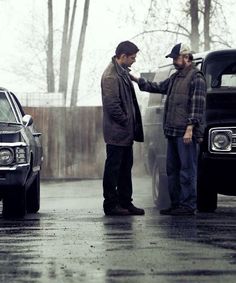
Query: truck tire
x=14, y=202
x=155, y=184
x=160, y=192
x=33, y=195
x=206, y=195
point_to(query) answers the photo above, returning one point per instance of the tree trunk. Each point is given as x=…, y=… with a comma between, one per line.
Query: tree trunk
x=79, y=55
x=68, y=49
x=207, y=11
x=194, y=37
x=50, y=68
x=64, y=47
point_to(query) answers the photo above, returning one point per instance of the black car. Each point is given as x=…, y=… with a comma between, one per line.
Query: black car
x=20, y=158
x=217, y=154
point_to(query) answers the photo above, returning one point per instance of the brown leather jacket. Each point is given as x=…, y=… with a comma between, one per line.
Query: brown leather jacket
x=122, y=123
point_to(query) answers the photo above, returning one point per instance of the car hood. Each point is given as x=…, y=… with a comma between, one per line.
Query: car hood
x=10, y=133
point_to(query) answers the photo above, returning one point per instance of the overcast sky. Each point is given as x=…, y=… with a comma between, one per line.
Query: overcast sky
x=22, y=20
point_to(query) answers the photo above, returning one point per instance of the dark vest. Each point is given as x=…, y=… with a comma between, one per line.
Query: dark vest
x=178, y=100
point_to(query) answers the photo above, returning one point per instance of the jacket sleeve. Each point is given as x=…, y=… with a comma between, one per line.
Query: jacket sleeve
x=198, y=100
x=111, y=100
x=153, y=87
x=197, y=107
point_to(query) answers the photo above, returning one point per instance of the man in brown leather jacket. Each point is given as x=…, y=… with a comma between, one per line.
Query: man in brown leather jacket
x=122, y=125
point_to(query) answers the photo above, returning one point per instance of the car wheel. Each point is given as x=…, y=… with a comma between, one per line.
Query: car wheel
x=160, y=192
x=206, y=195
x=14, y=202
x=33, y=195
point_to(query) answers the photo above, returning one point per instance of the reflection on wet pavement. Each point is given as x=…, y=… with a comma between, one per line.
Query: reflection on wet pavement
x=70, y=240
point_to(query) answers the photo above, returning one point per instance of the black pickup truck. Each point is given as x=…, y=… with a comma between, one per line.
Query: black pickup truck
x=217, y=153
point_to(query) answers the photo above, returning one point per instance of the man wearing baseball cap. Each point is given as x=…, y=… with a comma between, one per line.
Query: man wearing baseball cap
x=183, y=117
x=179, y=49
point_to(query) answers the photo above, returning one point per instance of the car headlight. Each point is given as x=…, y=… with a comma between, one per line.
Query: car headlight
x=221, y=140
x=6, y=156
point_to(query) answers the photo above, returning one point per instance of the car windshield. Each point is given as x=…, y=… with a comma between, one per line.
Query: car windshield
x=221, y=72
x=6, y=112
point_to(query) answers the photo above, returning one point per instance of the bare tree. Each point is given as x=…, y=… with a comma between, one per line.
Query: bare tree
x=207, y=14
x=66, y=46
x=50, y=68
x=170, y=25
x=68, y=27
x=219, y=33
x=197, y=12
x=79, y=55
x=194, y=35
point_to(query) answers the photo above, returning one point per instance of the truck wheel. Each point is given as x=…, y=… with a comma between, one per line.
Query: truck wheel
x=206, y=195
x=155, y=184
x=160, y=192
x=33, y=195
x=14, y=202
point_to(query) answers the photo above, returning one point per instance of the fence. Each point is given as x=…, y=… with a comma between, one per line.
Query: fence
x=73, y=143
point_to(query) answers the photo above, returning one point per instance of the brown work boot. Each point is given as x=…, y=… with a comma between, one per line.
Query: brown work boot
x=133, y=210
x=183, y=211
x=166, y=211
x=117, y=211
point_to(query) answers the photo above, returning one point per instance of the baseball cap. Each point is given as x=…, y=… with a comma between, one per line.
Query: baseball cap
x=179, y=49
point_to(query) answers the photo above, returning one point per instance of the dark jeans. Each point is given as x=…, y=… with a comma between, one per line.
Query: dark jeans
x=117, y=180
x=181, y=171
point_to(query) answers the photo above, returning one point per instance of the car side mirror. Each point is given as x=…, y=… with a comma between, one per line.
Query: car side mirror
x=27, y=120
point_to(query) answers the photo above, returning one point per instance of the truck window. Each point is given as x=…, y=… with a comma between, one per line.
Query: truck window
x=221, y=72
x=228, y=80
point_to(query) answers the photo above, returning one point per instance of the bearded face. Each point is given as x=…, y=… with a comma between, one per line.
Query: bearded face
x=179, y=62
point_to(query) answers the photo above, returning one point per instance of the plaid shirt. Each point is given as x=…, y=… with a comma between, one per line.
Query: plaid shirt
x=197, y=100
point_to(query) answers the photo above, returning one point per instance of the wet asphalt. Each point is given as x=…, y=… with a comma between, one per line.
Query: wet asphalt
x=70, y=240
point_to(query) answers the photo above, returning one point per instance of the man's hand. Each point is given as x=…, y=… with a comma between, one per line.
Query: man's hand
x=133, y=78
x=188, y=134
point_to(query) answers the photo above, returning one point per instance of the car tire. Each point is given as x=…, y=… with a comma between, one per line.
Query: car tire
x=160, y=192
x=14, y=202
x=206, y=195
x=33, y=195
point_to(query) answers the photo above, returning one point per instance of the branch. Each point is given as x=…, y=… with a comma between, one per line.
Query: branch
x=180, y=26
x=149, y=10
x=159, y=30
x=220, y=40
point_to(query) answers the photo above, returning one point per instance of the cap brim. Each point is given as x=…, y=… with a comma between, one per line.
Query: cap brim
x=172, y=55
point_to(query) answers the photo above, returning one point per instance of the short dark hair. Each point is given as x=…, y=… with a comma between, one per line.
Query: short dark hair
x=126, y=47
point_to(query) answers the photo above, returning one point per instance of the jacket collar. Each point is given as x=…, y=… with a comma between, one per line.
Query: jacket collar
x=120, y=70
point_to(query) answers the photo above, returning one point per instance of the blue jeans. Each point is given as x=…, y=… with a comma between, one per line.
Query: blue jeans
x=181, y=167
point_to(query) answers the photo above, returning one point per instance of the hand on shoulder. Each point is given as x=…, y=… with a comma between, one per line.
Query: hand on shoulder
x=134, y=78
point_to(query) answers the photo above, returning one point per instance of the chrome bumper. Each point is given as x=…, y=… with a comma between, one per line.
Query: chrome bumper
x=14, y=175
